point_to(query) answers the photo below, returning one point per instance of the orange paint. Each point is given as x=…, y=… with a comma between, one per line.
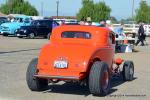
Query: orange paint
x=79, y=53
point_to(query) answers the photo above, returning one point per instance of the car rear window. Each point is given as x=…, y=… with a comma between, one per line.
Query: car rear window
x=72, y=34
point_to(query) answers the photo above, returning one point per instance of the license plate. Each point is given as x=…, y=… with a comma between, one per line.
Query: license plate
x=60, y=64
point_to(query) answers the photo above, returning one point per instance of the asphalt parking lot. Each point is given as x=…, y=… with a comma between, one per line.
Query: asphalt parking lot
x=15, y=55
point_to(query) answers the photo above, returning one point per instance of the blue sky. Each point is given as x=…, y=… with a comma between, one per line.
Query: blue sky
x=120, y=8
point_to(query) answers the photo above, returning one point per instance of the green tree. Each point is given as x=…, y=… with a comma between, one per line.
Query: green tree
x=97, y=11
x=142, y=14
x=101, y=11
x=86, y=10
x=113, y=20
x=18, y=7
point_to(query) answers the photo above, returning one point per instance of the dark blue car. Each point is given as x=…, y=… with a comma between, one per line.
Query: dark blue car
x=38, y=28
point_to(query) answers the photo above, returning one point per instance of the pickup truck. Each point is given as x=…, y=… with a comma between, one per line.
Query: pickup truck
x=3, y=20
x=11, y=27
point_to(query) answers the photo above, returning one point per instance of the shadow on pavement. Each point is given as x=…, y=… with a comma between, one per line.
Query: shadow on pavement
x=76, y=89
x=116, y=81
x=18, y=51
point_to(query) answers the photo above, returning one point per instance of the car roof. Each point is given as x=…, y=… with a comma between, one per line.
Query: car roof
x=22, y=16
x=99, y=34
x=85, y=28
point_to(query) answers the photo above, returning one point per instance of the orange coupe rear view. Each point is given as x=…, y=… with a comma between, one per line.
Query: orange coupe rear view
x=75, y=53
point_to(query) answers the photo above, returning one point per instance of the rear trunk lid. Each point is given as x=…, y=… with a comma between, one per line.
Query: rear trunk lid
x=72, y=56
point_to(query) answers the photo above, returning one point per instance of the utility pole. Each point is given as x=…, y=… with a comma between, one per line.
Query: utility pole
x=42, y=8
x=133, y=9
x=57, y=2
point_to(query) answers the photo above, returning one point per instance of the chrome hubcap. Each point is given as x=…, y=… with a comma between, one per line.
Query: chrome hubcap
x=32, y=35
x=131, y=72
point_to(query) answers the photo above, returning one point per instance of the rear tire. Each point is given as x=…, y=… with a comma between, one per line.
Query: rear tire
x=128, y=71
x=35, y=84
x=5, y=35
x=20, y=37
x=99, y=79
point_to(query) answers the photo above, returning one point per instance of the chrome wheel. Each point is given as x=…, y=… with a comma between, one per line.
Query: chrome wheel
x=31, y=35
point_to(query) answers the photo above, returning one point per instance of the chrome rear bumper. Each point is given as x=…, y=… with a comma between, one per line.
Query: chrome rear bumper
x=58, y=77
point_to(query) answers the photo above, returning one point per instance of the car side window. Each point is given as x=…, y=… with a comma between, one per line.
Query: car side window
x=34, y=23
x=43, y=23
x=27, y=20
x=48, y=23
x=38, y=24
x=20, y=20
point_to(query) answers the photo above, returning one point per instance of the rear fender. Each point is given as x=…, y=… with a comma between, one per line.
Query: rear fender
x=100, y=55
x=90, y=64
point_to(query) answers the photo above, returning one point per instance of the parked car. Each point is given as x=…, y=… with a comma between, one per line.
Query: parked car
x=82, y=54
x=66, y=21
x=3, y=20
x=37, y=28
x=16, y=23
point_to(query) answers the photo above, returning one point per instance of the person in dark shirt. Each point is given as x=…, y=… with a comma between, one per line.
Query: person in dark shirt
x=141, y=35
x=102, y=23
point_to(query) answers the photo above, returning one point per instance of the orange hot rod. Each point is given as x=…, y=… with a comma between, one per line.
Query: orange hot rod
x=76, y=53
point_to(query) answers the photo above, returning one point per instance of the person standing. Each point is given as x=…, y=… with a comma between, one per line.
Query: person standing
x=88, y=21
x=141, y=35
x=54, y=24
x=82, y=21
x=109, y=25
x=120, y=32
x=102, y=23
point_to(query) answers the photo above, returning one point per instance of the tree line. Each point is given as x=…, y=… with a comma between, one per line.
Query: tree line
x=96, y=11
x=18, y=7
x=143, y=13
x=99, y=11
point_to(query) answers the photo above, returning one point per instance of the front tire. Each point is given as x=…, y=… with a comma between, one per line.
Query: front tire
x=35, y=84
x=99, y=79
x=20, y=37
x=128, y=71
x=5, y=35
